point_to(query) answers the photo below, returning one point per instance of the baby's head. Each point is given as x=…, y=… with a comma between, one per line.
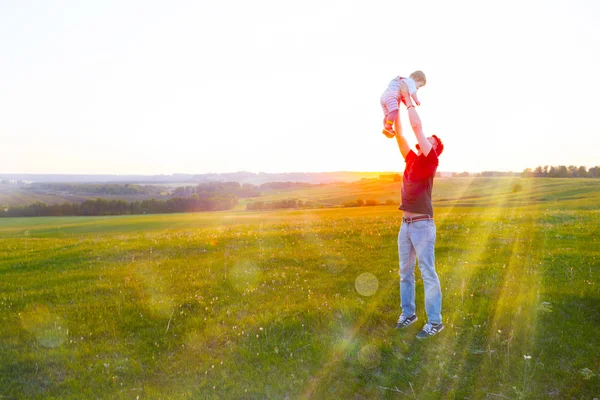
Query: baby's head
x=419, y=78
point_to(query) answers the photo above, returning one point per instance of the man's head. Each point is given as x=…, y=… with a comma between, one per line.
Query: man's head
x=438, y=146
x=419, y=78
x=436, y=143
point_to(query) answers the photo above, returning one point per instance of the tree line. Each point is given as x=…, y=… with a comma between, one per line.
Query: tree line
x=245, y=190
x=219, y=202
x=547, y=171
x=110, y=189
x=284, y=185
x=208, y=189
x=561, y=171
x=207, y=196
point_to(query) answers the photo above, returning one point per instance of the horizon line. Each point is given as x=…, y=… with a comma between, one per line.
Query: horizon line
x=236, y=172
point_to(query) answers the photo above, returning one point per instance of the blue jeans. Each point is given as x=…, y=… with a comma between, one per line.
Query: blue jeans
x=416, y=240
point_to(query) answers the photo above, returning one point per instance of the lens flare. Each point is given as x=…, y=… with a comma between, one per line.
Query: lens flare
x=369, y=356
x=244, y=275
x=366, y=284
x=49, y=329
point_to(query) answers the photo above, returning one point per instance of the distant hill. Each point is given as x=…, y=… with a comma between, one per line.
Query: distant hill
x=241, y=177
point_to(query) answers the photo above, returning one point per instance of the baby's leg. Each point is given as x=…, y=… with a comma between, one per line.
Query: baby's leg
x=389, y=119
x=391, y=106
x=389, y=103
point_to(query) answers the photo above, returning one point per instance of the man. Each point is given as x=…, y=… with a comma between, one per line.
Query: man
x=416, y=239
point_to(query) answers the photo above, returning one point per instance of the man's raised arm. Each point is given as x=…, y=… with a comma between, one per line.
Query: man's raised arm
x=402, y=142
x=415, y=120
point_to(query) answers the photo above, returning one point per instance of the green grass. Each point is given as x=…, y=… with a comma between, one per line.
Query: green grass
x=265, y=305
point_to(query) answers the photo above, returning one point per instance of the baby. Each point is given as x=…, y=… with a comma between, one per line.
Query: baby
x=391, y=98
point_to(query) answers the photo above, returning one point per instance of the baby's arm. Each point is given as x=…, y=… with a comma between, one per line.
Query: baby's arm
x=415, y=98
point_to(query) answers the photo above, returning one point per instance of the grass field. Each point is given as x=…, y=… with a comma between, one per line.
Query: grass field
x=302, y=304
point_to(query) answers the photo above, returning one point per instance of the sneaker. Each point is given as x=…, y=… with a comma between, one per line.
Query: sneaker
x=430, y=330
x=403, y=322
x=389, y=132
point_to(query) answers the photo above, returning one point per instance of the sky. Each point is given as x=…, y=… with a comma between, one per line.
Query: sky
x=162, y=87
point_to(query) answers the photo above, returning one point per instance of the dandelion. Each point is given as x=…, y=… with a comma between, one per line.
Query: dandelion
x=587, y=373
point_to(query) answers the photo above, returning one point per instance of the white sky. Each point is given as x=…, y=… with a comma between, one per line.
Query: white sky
x=151, y=87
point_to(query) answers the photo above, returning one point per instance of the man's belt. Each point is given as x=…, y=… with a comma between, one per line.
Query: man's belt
x=408, y=220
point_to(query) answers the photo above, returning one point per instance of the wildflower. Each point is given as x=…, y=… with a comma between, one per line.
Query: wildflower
x=587, y=373
x=527, y=357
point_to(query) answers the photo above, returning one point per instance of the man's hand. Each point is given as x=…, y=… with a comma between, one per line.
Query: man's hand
x=416, y=99
x=404, y=95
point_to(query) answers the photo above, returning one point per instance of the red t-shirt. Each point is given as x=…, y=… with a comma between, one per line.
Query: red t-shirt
x=417, y=182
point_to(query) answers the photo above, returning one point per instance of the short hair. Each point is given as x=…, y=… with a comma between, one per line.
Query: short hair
x=418, y=76
x=440, y=146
